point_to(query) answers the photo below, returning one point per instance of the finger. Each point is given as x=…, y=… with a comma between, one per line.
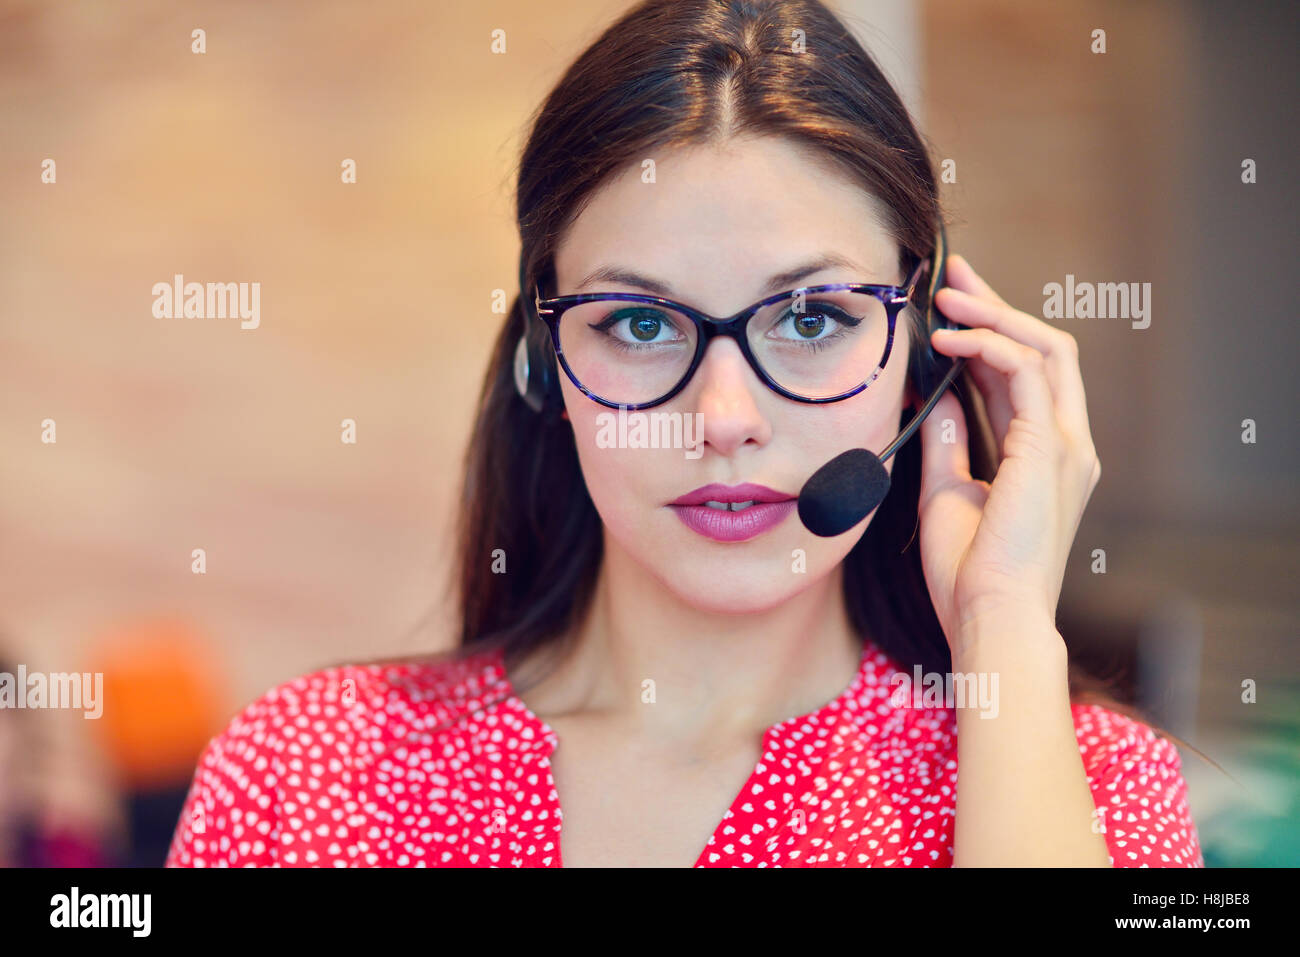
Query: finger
x=993, y=389
x=1059, y=348
x=962, y=276
x=972, y=310
x=945, y=454
x=1023, y=367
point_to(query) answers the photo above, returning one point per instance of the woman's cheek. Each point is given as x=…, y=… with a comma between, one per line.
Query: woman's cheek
x=619, y=482
x=624, y=483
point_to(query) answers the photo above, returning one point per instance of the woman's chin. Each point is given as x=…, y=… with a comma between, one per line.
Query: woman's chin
x=735, y=590
x=733, y=578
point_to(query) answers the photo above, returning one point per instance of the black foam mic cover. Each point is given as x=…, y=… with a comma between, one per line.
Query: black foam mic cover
x=843, y=492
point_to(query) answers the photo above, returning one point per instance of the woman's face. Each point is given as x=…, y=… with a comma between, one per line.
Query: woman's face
x=714, y=224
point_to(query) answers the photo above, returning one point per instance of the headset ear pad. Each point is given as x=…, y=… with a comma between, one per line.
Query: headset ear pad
x=522, y=368
x=928, y=367
x=534, y=368
x=923, y=359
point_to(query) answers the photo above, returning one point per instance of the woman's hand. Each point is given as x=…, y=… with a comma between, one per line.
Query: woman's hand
x=998, y=551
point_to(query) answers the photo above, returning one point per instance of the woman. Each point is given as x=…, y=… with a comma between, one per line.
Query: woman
x=696, y=680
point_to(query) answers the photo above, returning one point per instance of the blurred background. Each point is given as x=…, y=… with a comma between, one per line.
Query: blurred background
x=173, y=435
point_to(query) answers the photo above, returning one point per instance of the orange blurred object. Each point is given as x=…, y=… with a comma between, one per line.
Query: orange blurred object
x=164, y=697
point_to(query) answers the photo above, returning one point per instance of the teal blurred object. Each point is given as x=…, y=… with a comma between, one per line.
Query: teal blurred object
x=1252, y=836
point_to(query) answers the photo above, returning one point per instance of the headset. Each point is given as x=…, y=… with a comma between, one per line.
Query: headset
x=535, y=367
x=848, y=487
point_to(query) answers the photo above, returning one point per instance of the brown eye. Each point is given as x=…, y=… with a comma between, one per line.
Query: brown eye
x=817, y=322
x=645, y=328
x=639, y=326
x=809, y=326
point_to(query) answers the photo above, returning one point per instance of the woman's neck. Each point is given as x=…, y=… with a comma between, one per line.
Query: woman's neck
x=673, y=674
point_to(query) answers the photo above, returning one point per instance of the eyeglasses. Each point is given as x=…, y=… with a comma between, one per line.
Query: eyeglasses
x=812, y=344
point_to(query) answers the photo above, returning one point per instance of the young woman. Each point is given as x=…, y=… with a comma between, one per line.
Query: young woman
x=652, y=672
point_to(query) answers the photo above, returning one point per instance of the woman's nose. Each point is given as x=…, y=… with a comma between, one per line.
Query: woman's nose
x=726, y=397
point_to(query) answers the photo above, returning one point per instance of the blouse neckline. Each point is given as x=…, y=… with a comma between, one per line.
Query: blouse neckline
x=779, y=746
x=546, y=739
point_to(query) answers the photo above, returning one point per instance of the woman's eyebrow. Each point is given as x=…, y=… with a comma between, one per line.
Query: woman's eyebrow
x=777, y=283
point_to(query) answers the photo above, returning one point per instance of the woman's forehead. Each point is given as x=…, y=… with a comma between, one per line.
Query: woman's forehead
x=741, y=213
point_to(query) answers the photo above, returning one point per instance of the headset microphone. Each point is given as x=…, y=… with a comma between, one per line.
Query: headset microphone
x=846, y=489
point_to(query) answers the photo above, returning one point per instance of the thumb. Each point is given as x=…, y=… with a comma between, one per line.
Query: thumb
x=945, y=455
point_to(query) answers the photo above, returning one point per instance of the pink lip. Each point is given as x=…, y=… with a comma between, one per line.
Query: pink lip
x=770, y=508
x=746, y=492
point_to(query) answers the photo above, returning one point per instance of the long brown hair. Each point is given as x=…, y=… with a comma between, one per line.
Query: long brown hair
x=671, y=73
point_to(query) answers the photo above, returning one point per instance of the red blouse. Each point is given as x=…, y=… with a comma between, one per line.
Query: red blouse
x=442, y=765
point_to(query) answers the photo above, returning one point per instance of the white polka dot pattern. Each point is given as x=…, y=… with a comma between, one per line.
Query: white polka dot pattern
x=442, y=765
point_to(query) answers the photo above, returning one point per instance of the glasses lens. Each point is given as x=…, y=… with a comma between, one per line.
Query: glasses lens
x=823, y=344
x=627, y=353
